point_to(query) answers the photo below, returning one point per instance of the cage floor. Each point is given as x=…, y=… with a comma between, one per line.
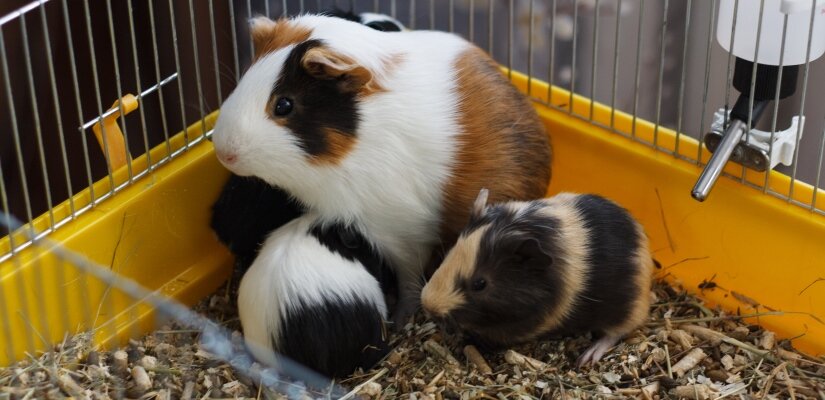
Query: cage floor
x=686, y=350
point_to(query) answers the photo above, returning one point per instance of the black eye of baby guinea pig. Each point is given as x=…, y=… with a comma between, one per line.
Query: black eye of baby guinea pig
x=568, y=264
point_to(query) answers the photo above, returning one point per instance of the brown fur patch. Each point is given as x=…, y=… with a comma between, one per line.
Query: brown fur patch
x=339, y=145
x=644, y=279
x=268, y=35
x=502, y=146
x=440, y=296
x=572, y=266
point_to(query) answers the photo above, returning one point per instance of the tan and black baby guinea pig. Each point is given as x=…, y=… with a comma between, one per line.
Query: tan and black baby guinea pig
x=568, y=264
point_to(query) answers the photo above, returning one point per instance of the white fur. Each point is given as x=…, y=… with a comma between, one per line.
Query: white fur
x=294, y=270
x=390, y=184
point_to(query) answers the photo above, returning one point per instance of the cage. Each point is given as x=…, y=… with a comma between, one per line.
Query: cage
x=107, y=108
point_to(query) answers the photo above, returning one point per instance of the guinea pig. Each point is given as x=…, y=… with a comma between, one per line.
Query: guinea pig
x=391, y=132
x=568, y=264
x=312, y=296
x=247, y=208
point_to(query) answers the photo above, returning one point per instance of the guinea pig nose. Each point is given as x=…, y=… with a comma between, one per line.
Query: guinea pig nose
x=227, y=158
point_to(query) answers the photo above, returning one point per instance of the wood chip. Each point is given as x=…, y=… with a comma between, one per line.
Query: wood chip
x=188, y=390
x=514, y=358
x=120, y=362
x=475, y=357
x=768, y=340
x=688, y=362
x=703, y=333
x=395, y=357
x=371, y=389
x=70, y=387
x=788, y=355
x=682, y=338
x=164, y=394
x=142, y=381
x=148, y=362
x=650, y=390
x=440, y=351
x=697, y=392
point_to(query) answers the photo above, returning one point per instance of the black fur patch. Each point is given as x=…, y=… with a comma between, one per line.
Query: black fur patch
x=352, y=245
x=612, y=246
x=339, y=13
x=515, y=249
x=320, y=106
x=384, y=26
x=379, y=25
x=492, y=213
x=246, y=211
x=334, y=339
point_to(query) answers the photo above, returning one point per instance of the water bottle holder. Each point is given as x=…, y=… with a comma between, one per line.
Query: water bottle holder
x=754, y=151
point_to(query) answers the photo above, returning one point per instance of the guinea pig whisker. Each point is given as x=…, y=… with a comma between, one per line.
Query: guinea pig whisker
x=227, y=72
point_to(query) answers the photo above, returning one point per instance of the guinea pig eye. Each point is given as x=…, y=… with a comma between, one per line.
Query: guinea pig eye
x=479, y=284
x=283, y=106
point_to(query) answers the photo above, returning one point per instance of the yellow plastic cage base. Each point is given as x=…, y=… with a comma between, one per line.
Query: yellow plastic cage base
x=762, y=252
x=154, y=231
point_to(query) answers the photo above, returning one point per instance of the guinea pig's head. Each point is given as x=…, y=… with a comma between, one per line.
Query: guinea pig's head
x=297, y=108
x=496, y=284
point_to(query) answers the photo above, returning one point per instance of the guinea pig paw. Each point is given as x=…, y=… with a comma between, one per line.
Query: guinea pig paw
x=595, y=352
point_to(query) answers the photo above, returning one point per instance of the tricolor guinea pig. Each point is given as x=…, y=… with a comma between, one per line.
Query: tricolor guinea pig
x=248, y=208
x=391, y=132
x=568, y=264
x=313, y=295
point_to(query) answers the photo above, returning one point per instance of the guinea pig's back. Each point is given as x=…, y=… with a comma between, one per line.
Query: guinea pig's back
x=618, y=264
x=313, y=305
x=502, y=144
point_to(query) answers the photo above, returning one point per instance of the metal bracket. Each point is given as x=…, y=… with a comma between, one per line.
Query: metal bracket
x=755, y=151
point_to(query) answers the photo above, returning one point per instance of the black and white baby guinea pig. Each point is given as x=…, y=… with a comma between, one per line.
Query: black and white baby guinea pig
x=568, y=264
x=392, y=132
x=311, y=295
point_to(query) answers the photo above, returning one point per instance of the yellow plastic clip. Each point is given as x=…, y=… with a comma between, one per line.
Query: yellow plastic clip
x=118, y=154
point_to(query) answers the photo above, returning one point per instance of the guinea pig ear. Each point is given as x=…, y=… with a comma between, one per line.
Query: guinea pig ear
x=261, y=29
x=481, y=202
x=324, y=63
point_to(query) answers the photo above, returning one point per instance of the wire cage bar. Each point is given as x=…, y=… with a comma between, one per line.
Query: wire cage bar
x=649, y=71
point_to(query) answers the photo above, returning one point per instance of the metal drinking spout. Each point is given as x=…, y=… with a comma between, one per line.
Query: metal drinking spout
x=729, y=144
x=732, y=137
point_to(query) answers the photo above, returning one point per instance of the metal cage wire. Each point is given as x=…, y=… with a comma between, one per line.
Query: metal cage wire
x=62, y=62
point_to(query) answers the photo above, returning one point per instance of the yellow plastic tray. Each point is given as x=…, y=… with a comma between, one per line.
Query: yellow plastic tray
x=762, y=252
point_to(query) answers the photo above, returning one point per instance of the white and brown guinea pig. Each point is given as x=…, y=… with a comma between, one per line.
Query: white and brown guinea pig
x=313, y=295
x=248, y=209
x=568, y=264
x=393, y=132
